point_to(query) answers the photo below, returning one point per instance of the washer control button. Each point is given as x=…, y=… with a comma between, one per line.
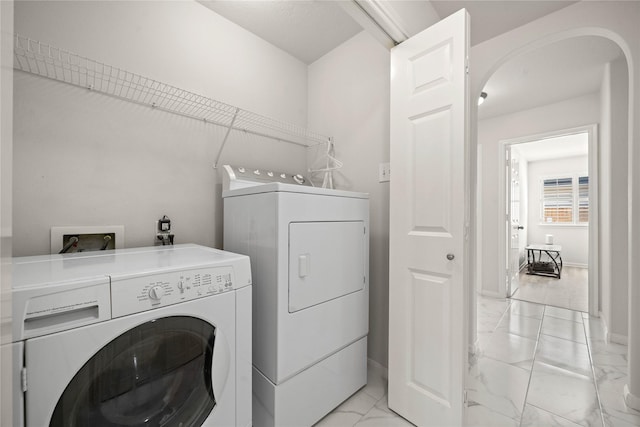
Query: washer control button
x=270, y=174
x=299, y=179
x=156, y=293
x=241, y=169
x=256, y=172
x=283, y=175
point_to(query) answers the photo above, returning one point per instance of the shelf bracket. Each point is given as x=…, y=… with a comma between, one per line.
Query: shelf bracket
x=226, y=136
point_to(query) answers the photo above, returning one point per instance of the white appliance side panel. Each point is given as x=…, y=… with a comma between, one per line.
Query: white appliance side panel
x=250, y=228
x=243, y=361
x=310, y=335
x=53, y=360
x=326, y=261
x=16, y=356
x=310, y=395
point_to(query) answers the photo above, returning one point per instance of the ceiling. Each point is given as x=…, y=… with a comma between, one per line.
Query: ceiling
x=563, y=70
x=491, y=18
x=308, y=29
x=555, y=148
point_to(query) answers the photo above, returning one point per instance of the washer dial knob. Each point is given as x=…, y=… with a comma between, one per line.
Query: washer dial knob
x=299, y=179
x=156, y=293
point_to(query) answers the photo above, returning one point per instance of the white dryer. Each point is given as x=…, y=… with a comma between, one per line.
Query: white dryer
x=309, y=250
x=136, y=337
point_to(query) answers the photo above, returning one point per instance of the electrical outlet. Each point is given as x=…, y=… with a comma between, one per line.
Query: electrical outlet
x=384, y=172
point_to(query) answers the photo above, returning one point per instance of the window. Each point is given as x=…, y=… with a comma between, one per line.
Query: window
x=565, y=200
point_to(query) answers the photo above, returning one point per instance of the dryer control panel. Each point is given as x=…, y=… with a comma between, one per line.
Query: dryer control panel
x=142, y=293
x=241, y=177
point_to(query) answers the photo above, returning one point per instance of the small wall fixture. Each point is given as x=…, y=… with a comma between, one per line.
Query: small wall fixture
x=483, y=96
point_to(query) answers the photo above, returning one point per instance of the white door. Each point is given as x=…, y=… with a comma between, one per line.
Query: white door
x=428, y=224
x=513, y=222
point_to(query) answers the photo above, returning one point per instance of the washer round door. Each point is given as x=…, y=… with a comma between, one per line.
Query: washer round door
x=156, y=374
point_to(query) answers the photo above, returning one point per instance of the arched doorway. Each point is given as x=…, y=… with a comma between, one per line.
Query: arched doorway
x=490, y=170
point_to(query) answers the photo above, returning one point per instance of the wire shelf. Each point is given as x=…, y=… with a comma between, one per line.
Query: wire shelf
x=58, y=64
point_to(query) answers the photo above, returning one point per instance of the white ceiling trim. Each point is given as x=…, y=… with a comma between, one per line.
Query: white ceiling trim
x=386, y=18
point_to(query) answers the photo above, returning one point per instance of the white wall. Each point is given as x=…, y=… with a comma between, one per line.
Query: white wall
x=349, y=98
x=574, y=239
x=604, y=237
x=82, y=158
x=568, y=114
x=614, y=172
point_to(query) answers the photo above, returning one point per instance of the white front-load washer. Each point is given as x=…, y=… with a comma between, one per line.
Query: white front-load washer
x=157, y=336
x=309, y=250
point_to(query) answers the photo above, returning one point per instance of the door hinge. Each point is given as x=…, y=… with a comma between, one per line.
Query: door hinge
x=464, y=397
x=364, y=279
x=23, y=379
x=466, y=65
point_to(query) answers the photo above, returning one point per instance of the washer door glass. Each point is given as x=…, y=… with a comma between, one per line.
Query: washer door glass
x=156, y=374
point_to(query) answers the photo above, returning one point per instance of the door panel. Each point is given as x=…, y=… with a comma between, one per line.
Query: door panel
x=513, y=204
x=326, y=261
x=429, y=204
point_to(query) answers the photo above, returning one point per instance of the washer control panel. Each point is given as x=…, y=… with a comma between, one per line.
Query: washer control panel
x=133, y=295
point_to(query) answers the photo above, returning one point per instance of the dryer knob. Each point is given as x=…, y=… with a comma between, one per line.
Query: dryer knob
x=299, y=179
x=156, y=293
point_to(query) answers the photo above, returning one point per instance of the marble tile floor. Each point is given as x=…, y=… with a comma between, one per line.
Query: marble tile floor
x=539, y=365
x=571, y=291
x=535, y=366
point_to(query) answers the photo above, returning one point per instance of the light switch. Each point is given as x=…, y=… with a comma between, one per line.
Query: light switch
x=384, y=172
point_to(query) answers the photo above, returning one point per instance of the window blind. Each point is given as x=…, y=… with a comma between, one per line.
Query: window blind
x=557, y=200
x=583, y=199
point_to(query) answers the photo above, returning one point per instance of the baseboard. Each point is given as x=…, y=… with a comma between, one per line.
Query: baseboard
x=575, y=264
x=610, y=337
x=618, y=339
x=474, y=350
x=378, y=367
x=491, y=294
x=631, y=400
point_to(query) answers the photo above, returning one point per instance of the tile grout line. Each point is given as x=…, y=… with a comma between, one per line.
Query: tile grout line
x=503, y=314
x=593, y=371
x=533, y=361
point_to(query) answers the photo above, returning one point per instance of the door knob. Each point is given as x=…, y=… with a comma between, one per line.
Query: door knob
x=450, y=256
